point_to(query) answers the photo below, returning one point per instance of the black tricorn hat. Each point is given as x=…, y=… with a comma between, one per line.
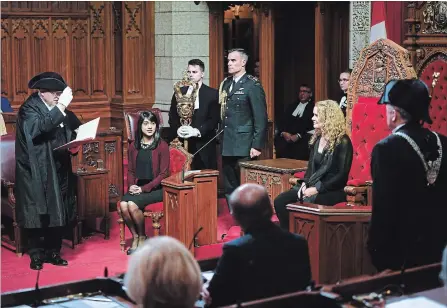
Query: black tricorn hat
x=47, y=80
x=411, y=95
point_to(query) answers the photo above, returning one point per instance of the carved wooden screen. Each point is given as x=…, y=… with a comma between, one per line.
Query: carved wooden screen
x=426, y=41
x=66, y=37
x=103, y=49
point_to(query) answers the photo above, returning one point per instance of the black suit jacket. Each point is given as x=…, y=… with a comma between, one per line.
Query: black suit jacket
x=264, y=262
x=296, y=125
x=408, y=217
x=205, y=119
x=245, y=120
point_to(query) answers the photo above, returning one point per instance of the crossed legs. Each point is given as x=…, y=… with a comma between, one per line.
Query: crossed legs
x=134, y=219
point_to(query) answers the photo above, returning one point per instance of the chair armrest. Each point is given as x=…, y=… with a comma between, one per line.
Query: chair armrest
x=354, y=190
x=357, y=195
x=293, y=181
x=10, y=186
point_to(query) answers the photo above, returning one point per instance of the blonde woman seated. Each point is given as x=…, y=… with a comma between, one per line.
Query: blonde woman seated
x=329, y=163
x=163, y=273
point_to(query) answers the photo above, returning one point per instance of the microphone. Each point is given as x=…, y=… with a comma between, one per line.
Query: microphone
x=194, y=238
x=188, y=160
x=38, y=300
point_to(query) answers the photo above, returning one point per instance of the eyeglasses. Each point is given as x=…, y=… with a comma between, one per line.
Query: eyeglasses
x=305, y=91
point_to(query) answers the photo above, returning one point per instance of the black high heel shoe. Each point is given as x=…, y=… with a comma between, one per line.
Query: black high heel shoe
x=134, y=246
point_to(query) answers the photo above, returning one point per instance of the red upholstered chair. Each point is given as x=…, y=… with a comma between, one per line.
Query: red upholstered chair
x=8, y=168
x=438, y=106
x=178, y=156
x=368, y=127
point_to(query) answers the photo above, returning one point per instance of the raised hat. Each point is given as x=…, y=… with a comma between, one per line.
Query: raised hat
x=412, y=95
x=47, y=80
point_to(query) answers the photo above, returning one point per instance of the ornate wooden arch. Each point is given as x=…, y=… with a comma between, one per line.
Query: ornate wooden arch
x=378, y=63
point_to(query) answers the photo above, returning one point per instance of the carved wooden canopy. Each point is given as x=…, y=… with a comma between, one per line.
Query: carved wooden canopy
x=378, y=63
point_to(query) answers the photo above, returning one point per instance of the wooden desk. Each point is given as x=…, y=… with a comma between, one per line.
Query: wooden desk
x=106, y=147
x=273, y=174
x=190, y=205
x=336, y=238
x=417, y=281
x=93, y=200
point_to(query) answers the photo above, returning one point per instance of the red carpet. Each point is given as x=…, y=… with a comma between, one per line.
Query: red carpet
x=90, y=258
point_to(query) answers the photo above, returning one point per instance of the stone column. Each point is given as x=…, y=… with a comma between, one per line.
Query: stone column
x=359, y=28
x=181, y=34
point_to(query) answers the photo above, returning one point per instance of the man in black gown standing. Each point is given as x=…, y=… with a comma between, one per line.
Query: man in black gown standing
x=45, y=185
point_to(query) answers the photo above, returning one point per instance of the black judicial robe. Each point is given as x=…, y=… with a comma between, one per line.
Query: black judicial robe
x=45, y=187
x=408, y=222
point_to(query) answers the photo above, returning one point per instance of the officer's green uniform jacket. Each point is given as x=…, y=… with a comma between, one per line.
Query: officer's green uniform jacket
x=244, y=116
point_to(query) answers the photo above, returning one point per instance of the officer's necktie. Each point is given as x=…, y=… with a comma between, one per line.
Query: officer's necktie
x=233, y=83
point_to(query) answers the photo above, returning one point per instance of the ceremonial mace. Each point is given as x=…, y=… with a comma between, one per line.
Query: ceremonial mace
x=185, y=102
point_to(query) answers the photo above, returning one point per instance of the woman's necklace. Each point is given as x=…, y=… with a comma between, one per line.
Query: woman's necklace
x=145, y=146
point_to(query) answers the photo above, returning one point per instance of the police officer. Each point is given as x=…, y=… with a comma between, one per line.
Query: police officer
x=244, y=118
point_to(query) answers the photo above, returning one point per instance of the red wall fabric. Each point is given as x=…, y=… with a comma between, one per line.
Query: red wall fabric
x=394, y=20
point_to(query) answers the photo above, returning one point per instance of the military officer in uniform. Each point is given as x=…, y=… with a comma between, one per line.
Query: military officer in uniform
x=244, y=118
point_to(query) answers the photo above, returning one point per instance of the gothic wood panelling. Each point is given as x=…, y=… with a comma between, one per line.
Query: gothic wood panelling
x=6, y=57
x=83, y=41
x=81, y=67
x=267, y=57
x=138, y=51
x=216, y=63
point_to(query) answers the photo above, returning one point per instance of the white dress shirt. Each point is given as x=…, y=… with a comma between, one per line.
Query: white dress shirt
x=236, y=80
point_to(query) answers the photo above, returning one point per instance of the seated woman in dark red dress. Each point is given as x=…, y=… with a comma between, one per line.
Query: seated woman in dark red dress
x=148, y=165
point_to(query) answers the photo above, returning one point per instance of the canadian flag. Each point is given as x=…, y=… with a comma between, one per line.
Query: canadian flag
x=378, y=29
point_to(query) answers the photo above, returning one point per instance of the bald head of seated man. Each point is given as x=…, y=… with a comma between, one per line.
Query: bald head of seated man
x=265, y=262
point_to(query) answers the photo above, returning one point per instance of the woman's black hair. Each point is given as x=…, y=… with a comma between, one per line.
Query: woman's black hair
x=149, y=115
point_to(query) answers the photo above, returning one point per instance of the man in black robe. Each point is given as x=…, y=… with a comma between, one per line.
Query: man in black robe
x=409, y=173
x=45, y=185
x=295, y=127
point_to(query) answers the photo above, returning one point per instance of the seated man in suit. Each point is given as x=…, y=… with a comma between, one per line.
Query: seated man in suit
x=204, y=120
x=292, y=140
x=265, y=262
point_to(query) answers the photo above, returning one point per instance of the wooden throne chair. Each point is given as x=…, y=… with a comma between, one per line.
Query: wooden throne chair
x=179, y=158
x=366, y=125
x=14, y=240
